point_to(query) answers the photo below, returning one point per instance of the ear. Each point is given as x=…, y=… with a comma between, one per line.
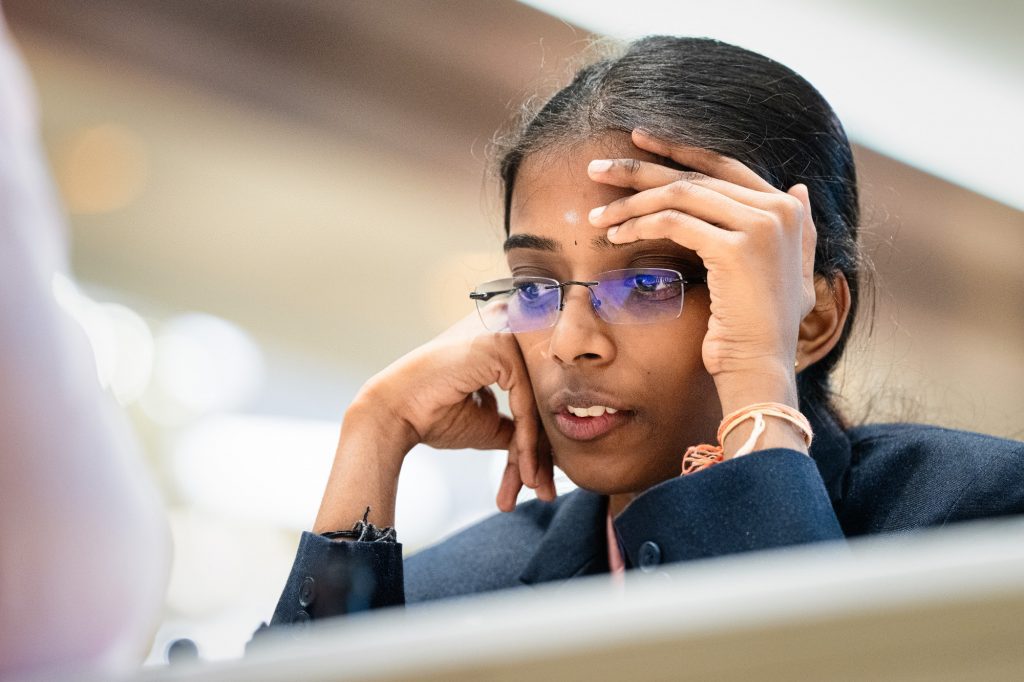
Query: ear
x=821, y=329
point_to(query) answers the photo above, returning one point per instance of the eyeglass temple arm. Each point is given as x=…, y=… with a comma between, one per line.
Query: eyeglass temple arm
x=487, y=295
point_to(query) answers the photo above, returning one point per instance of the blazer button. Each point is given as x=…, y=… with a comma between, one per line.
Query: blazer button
x=307, y=592
x=650, y=556
x=301, y=618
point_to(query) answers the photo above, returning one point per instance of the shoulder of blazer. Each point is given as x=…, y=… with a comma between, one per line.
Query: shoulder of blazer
x=487, y=555
x=905, y=476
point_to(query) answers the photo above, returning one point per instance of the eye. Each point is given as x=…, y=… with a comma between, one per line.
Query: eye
x=651, y=287
x=690, y=268
x=646, y=282
x=529, y=291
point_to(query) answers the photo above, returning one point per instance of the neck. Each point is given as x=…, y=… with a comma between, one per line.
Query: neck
x=618, y=502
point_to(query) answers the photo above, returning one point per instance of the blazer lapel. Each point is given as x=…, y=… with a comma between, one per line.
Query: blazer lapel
x=575, y=541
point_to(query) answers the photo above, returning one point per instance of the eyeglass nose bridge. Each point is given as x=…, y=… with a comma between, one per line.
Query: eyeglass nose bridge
x=594, y=301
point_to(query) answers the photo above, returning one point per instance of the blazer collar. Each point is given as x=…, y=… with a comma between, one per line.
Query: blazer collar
x=830, y=450
x=575, y=542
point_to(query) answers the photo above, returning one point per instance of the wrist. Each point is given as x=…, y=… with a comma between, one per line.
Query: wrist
x=768, y=382
x=365, y=473
x=370, y=417
x=367, y=465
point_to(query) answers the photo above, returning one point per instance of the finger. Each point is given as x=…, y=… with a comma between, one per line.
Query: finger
x=644, y=175
x=508, y=489
x=487, y=404
x=501, y=438
x=808, y=244
x=687, y=231
x=546, y=485
x=809, y=233
x=694, y=199
x=704, y=160
x=546, y=491
x=524, y=412
x=491, y=430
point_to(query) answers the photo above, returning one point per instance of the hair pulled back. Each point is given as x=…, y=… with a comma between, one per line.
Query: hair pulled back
x=738, y=103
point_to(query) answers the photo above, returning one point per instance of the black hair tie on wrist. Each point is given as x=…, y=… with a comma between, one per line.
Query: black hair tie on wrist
x=364, y=531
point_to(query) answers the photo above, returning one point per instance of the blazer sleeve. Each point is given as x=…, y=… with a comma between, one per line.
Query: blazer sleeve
x=996, y=487
x=335, y=577
x=771, y=498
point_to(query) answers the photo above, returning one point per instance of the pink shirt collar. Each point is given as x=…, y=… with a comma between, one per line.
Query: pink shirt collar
x=616, y=565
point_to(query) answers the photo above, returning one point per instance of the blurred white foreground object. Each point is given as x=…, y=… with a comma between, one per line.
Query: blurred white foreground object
x=942, y=604
x=84, y=549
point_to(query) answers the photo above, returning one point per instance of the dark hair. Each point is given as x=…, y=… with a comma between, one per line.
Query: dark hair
x=727, y=99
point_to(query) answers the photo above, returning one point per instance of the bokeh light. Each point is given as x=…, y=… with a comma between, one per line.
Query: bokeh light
x=203, y=364
x=102, y=168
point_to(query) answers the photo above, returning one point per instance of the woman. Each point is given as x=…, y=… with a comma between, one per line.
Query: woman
x=679, y=170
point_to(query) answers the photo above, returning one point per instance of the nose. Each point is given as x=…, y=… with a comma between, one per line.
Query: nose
x=579, y=335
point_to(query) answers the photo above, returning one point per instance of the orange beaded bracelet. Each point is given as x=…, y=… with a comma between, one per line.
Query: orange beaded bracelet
x=700, y=457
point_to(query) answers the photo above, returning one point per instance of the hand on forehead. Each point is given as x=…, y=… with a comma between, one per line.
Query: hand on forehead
x=554, y=195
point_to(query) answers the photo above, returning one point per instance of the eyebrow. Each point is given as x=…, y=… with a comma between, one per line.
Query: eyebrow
x=601, y=242
x=531, y=241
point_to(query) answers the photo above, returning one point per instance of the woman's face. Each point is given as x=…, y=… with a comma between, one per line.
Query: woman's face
x=652, y=374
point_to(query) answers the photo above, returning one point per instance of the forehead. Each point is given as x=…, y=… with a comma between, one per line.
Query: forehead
x=553, y=195
x=553, y=190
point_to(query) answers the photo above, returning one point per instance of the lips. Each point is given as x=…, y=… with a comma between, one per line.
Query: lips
x=569, y=408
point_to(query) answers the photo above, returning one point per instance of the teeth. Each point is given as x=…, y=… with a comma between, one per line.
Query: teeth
x=592, y=411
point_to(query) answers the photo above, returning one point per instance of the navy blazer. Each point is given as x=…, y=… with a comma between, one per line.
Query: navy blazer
x=871, y=479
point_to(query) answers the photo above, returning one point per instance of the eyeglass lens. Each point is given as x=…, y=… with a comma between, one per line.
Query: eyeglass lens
x=633, y=296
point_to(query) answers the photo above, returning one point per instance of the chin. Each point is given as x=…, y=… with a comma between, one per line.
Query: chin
x=600, y=478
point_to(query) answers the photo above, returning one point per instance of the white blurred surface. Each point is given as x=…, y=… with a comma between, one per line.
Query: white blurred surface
x=938, y=605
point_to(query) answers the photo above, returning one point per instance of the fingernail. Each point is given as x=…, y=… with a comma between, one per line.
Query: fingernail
x=596, y=213
x=612, y=231
x=599, y=165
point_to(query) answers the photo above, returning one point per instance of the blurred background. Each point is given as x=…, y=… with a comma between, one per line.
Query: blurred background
x=270, y=200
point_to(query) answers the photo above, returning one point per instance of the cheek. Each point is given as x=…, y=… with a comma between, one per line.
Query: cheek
x=673, y=366
x=667, y=356
x=534, y=347
x=675, y=346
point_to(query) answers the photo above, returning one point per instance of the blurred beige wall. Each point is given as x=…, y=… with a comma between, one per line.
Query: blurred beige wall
x=276, y=167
